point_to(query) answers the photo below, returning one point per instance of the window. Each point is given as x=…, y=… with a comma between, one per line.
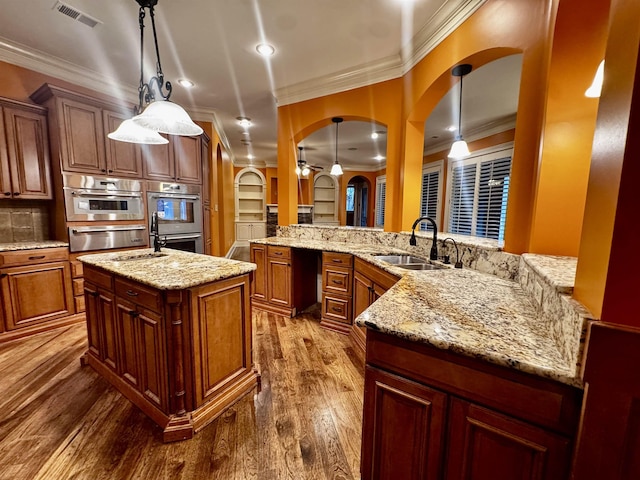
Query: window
x=350, y=199
x=381, y=196
x=478, y=192
x=430, y=196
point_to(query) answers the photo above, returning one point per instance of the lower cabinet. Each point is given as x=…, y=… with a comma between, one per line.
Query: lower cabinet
x=285, y=279
x=337, y=286
x=430, y=414
x=37, y=292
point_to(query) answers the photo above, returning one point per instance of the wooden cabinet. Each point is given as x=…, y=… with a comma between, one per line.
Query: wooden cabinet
x=25, y=170
x=404, y=428
x=285, y=279
x=337, y=282
x=179, y=161
x=79, y=125
x=181, y=356
x=369, y=284
x=432, y=414
x=36, y=288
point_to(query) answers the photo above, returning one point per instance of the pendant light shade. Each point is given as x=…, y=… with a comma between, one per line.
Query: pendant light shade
x=459, y=148
x=596, y=86
x=129, y=131
x=167, y=117
x=160, y=115
x=336, y=168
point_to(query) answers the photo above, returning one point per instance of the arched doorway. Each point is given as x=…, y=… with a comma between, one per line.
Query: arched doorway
x=357, y=201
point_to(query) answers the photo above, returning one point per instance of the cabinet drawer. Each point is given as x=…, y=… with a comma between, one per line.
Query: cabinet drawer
x=139, y=294
x=336, y=308
x=336, y=280
x=341, y=259
x=76, y=269
x=78, y=286
x=80, y=305
x=278, y=252
x=99, y=278
x=30, y=257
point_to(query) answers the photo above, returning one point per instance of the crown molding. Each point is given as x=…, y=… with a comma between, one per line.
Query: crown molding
x=497, y=126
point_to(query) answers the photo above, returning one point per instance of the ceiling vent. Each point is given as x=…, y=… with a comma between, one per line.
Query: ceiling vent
x=76, y=14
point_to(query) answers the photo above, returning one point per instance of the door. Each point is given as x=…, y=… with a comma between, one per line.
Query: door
x=279, y=282
x=486, y=445
x=82, y=140
x=50, y=283
x=123, y=158
x=188, y=158
x=403, y=428
x=28, y=153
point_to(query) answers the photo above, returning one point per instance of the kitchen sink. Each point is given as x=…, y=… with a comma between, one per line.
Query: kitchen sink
x=144, y=256
x=408, y=262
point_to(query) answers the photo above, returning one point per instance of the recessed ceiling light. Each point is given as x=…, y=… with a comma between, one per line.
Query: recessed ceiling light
x=244, y=121
x=374, y=135
x=451, y=128
x=378, y=157
x=265, y=49
x=186, y=83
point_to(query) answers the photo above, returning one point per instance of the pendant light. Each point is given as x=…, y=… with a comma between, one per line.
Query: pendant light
x=160, y=115
x=596, y=86
x=336, y=169
x=459, y=149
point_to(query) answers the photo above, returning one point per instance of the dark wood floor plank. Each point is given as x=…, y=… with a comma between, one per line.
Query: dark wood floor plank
x=62, y=421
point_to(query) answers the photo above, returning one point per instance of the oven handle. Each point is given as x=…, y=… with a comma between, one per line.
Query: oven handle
x=183, y=237
x=112, y=194
x=107, y=229
x=176, y=195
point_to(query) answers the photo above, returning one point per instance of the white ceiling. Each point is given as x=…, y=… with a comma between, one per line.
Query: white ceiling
x=212, y=42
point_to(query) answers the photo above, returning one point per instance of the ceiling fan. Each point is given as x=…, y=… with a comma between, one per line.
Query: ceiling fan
x=303, y=168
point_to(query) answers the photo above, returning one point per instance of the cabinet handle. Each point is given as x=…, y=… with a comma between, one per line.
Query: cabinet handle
x=278, y=253
x=131, y=293
x=133, y=313
x=337, y=282
x=93, y=294
x=7, y=194
x=2, y=275
x=15, y=194
x=36, y=257
x=336, y=309
x=337, y=260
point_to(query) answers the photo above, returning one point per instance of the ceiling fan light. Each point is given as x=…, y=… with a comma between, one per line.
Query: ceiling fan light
x=167, y=117
x=298, y=171
x=459, y=149
x=336, y=169
x=305, y=171
x=130, y=132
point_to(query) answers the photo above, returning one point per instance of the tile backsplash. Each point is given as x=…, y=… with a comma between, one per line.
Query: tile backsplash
x=24, y=221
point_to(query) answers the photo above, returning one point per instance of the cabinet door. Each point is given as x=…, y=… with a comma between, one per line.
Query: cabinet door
x=188, y=159
x=157, y=162
x=279, y=282
x=259, y=277
x=258, y=230
x=49, y=283
x=243, y=231
x=92, y=314
x=361, y=293
x=150, y=352
x=403, y=428
x=28, y=152
x=107, y=316
x=5, y=169
x=82, y=138
x=205, y=156
x=485, y=445
x=123, y=158
x=127, y=333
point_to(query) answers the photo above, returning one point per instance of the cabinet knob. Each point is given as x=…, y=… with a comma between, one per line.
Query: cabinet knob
x=15, y=194
x=133, y=313
x=110, y=171
x=93, y=294
x=103, y=170
x=2, y=275
x=7, y=194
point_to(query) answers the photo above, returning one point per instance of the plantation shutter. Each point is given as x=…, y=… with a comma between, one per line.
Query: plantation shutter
x=429, y=197
x=463, y=186
x=381, y=196
x=493, y=191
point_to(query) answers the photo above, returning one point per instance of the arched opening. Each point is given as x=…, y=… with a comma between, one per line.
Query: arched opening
x=357, y=202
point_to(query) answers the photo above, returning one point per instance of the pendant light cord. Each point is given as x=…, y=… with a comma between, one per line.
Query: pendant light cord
x=460, y=111
x=337, y=123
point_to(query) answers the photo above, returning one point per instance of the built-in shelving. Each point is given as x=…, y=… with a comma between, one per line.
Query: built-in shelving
x=325, y=199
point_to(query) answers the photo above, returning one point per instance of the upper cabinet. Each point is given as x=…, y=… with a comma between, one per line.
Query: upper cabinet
x=178, y=161
x=25, y=170
x=79, y=127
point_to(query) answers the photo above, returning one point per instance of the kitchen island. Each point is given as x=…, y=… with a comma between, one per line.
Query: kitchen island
x=172, y=332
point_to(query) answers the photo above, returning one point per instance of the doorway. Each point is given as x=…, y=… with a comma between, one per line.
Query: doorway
x=357, y=199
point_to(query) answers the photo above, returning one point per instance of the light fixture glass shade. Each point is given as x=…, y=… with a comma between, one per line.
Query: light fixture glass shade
x=305, y=171
x=298, y=171
x=459, y=149
x=167, y=117
x=336, y=169
x=595, y=89
x=128, y=131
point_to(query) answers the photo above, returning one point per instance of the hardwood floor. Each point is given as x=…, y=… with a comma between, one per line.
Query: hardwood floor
x=62, y=421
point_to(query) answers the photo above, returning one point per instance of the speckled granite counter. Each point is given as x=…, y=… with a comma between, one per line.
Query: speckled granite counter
x=12, y=247
x=172, y=270
x=468, y=312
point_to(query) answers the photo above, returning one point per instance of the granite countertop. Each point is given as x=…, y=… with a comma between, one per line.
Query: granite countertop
x=12, y=247
x=460, y=310
x=171, y=270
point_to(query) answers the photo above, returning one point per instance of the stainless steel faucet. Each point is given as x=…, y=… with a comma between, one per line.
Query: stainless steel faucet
x=157, y=243
x=433, y=253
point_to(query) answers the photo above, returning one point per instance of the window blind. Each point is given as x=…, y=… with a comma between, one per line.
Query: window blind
x=381, y=196
x=493, y=188
x=463, y=186
x=429, y=197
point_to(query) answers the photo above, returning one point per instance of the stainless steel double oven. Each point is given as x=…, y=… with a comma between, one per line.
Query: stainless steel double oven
x=179, y=210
